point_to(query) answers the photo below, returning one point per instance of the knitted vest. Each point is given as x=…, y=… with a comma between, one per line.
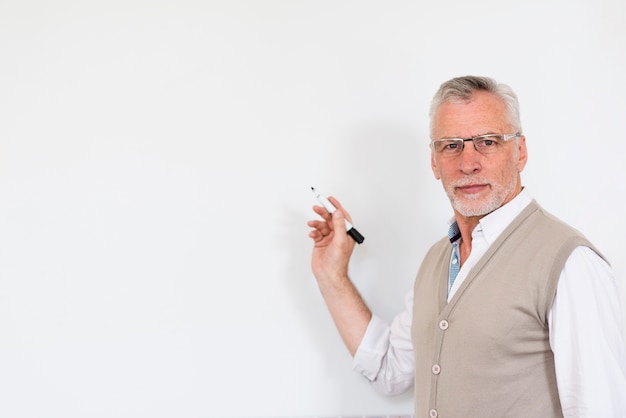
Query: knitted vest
x=486, y=353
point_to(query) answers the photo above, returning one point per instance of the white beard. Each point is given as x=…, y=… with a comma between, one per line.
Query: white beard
x=469, y=206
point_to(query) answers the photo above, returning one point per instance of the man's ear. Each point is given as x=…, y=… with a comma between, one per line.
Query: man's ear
x=523, y=153
x=433, y=165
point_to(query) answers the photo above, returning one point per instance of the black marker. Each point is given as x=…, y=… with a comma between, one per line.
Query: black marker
x=331, y=208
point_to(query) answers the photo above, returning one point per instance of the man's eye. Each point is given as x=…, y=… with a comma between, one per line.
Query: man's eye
x=483, y=143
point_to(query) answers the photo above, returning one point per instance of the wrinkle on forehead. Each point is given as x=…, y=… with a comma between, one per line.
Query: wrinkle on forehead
x=483, y=113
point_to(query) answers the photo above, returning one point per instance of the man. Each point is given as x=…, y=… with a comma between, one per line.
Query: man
x=513, y=314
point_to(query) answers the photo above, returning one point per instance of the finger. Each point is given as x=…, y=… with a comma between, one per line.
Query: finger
x=322, y=226
x=316, y=235
x=313, y=223
x=320, y=238
x=339, y=224
x=336, y=203
x=322, y=212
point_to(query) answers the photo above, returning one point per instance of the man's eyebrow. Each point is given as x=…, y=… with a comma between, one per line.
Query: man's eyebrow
x=469, y=137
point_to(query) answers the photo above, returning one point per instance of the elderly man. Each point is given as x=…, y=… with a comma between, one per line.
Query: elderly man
x=514, y=313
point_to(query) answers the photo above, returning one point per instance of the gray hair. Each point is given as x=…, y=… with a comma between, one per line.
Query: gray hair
x=462, y=89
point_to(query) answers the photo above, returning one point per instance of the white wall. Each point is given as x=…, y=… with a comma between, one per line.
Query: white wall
x=155, y=165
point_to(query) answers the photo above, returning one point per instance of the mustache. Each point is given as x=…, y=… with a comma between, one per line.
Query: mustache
x=469, y=181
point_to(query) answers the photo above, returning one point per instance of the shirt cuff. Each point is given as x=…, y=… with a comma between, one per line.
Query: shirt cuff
x=369, y=356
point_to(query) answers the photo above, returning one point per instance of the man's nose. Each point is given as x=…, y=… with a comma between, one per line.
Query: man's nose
x=469, y=160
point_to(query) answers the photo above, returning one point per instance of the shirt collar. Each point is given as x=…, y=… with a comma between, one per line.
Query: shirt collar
x=494, y=223
x=453, y=231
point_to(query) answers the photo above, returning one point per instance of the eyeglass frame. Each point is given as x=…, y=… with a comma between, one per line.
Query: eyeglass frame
x=462, y=141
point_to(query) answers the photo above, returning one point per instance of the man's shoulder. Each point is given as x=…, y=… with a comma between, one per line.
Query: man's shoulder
x=546, y=222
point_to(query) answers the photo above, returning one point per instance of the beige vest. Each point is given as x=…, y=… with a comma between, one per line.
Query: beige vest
x=486, y=353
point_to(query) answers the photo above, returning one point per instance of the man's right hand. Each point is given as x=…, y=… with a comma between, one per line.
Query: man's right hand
x=331, y=255
x=332, y=245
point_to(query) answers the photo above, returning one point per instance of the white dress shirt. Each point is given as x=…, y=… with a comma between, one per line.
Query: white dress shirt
x=584, y=327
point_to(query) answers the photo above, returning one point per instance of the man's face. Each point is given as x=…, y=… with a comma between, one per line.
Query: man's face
x=478, y=184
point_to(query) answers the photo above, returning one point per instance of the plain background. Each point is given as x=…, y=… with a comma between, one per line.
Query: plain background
x=156, y=159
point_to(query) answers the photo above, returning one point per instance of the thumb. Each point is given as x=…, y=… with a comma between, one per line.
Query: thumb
x=339, y=223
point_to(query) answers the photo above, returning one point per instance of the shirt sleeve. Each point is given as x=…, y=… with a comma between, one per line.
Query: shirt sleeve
x=586, y=336
x=385, y=355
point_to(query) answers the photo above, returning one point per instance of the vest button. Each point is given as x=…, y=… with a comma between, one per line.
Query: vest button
x=443, y=324
x=436, y=369
x=433, y=413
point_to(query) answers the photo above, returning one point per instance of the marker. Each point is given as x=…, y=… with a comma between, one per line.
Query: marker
x=331, y=208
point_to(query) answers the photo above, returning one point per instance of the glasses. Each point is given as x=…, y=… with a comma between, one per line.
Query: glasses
x=485, y=144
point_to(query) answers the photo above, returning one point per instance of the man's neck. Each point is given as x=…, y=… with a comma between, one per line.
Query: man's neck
x=466, y=227
x=467, y=224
